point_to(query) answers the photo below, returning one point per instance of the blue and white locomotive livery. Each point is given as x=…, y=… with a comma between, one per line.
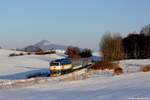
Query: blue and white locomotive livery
x=66, y=65
x=60, y=66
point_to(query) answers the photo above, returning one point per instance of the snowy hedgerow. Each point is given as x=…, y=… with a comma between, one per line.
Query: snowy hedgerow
x=118, y=70
x=145, y=68
x=102, y=65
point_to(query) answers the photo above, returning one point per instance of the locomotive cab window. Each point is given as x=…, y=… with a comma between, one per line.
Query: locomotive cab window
x=54, y=64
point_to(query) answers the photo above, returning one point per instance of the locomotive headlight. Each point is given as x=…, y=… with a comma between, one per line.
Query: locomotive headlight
x=55, y=67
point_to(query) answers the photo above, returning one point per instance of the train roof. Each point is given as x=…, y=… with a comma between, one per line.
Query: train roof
x=61, y=60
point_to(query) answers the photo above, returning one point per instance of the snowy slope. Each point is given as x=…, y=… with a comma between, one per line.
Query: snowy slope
x=123, y=87
x=133, y=65
x=18, y=67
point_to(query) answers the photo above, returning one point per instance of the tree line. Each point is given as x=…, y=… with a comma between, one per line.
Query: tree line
x=134, y=46
x=76, y=53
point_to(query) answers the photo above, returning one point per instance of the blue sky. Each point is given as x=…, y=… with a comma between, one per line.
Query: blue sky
x=69, y=22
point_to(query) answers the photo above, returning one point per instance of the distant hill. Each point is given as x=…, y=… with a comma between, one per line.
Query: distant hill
x=30, y=48
x=45, y=45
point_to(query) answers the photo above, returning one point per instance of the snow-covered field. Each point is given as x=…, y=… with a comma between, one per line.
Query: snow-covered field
x=133, y=86
x=132, y=66
x=123, y=87
x=17, y=67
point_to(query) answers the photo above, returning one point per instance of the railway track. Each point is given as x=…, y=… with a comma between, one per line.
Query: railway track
x=41, y=78
x=48, y=73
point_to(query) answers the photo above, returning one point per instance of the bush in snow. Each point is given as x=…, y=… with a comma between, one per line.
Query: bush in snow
x=20, y=54
x=29, y=53
x=39, y=52
x=145, y=68
x=14, y=54
x=107, y=65
x=118, y=70
x=50, y=52
x=102, y=65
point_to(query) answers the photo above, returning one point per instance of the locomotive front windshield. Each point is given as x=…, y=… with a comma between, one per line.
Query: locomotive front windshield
x=61, y=62
x=54, y=64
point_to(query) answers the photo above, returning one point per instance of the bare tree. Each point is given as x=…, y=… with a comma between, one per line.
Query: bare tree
x=85, y=53
x=146, y=30
x=137, y=46
x=73, y=52
x=112, y=47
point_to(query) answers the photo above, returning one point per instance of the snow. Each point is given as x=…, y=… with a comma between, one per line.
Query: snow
x=120, y=87
x=98, y=54
x=18, y=67
x=133, y=65
x=130, y=86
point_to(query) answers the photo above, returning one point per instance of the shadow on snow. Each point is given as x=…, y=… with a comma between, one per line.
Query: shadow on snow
x=42, y=72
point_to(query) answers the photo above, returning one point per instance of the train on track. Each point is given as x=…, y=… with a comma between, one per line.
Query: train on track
x=62, y=66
